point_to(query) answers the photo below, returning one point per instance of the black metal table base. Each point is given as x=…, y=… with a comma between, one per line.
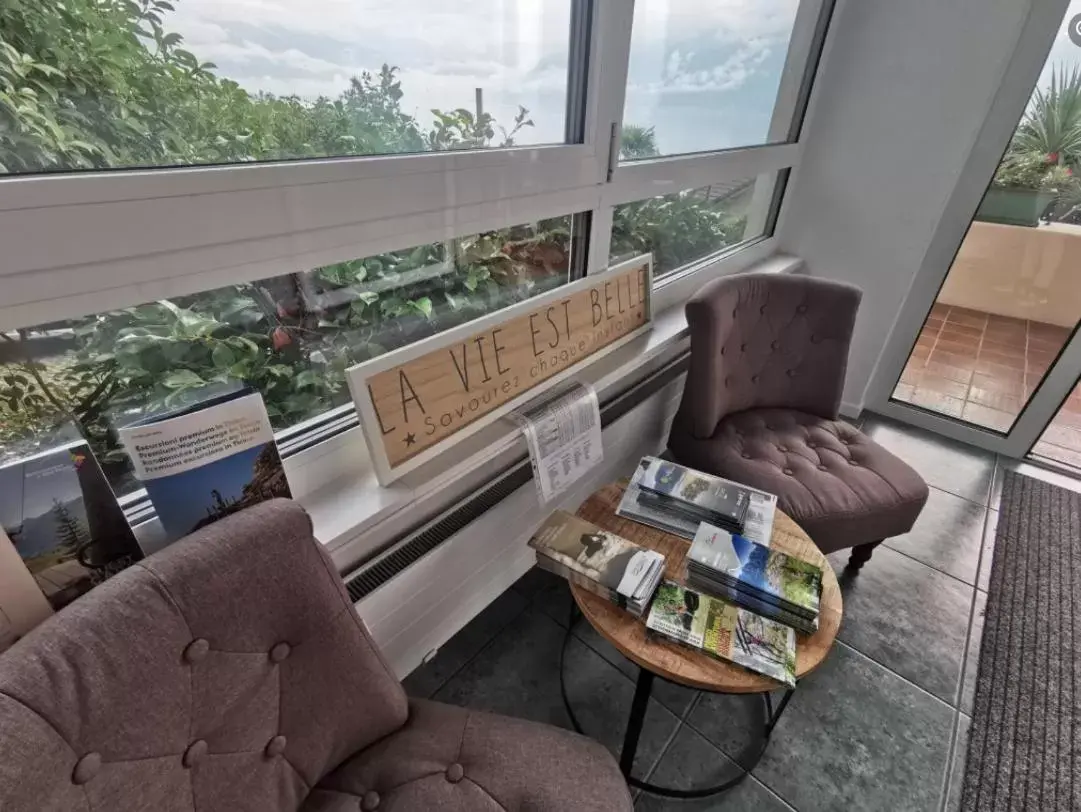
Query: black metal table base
x=637, y=717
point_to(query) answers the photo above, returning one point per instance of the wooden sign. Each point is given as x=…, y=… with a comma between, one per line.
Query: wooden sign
x=418, y=400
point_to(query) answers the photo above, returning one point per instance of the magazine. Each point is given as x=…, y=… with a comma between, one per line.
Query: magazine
x=724, y=631
x=692, y=494
x=22, y=603
x=758, y=524
x=206, y=461
x=733, y=560
x=601, y=562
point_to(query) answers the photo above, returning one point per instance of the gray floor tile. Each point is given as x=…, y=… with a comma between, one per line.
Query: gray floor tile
x=460, y=649
x=957, y=772
x=691, y=762
x=854, y=737
x=950, y=466
x=554, y=599
x=534, y=582
x=972, y=659
x=518, y=675
x=907, y=616
x=676, y=698
x=947, y=536
x=983, y=581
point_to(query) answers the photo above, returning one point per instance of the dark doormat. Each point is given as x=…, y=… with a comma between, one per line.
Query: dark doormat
x=1024, y=749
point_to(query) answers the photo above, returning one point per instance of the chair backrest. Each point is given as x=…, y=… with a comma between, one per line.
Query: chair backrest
x=766, y=341
x=228, y=672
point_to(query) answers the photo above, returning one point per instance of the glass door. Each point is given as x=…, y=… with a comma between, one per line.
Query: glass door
x=996, y=355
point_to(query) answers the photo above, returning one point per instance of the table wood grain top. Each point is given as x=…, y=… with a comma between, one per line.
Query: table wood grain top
x=679, y=663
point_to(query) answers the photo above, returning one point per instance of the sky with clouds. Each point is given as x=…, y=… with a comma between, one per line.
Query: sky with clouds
x=703, y=73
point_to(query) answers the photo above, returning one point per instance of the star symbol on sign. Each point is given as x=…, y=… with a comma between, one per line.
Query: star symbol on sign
x=410, y=439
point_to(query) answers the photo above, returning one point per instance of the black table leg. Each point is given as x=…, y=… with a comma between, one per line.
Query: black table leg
x=636, y=720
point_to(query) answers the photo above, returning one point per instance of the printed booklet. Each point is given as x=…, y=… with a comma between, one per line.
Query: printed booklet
x=64, y=521
x=724, y=631
x=717, y=556
x=691, y=494
x=601, y=562
x=206, y=461
x=758, y=523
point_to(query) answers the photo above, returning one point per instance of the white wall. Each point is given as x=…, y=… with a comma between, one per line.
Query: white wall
x=904, y=89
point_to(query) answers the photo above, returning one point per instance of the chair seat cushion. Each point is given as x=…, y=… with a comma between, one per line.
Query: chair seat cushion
x=834, y=481
x=453, y=758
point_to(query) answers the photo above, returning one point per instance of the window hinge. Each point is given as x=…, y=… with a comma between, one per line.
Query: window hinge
x=613, y=151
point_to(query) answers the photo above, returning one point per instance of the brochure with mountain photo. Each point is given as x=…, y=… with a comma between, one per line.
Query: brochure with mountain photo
x=207, y=460
x=57, y=508
x=725, y=631
x=790, y=582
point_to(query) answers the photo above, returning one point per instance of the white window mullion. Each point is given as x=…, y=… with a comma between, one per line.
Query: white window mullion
x=600, y=238
x=613, y=21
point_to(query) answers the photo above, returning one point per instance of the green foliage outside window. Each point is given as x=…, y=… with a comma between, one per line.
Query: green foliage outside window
x=97, y=84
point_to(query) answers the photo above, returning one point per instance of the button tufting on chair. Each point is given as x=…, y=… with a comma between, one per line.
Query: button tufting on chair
x=196, y=651
x=788, y=471
x=280, y=652
x=455, y=773
x=86, y=768
x=275, y=747
x=793, y=406
x=253, y=579
x=194, y=754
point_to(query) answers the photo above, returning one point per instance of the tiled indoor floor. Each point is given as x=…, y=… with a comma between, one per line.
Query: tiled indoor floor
x=880, y=726
x=977, y=366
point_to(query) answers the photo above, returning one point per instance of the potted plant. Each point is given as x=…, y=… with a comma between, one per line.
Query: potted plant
x=1022, y=189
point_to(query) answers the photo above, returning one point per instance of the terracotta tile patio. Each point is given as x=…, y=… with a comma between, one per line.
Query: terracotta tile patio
x=981, y=368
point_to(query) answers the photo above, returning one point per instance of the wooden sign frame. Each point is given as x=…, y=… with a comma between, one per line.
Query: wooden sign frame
x=359, y=376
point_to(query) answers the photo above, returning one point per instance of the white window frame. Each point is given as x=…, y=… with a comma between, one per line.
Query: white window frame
x=132, y=236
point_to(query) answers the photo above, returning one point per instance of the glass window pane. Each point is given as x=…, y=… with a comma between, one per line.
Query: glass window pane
x=156, y=83
x=688, y=226
x=291, y=337
x=703, y=75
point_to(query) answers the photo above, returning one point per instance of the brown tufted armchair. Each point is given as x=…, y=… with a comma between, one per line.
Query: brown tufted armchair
x=230, y=672
x=760, y=406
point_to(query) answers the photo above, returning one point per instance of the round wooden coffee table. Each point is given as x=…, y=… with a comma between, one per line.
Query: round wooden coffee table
x=658, y=657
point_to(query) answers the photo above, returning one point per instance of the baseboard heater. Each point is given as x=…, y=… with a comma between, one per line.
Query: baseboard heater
x=417, y=542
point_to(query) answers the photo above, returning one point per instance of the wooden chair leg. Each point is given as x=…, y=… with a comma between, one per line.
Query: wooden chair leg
x=861, y=555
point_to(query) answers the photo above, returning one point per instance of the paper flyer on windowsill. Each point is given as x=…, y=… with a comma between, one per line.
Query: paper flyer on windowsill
x=206, y=461
x=563, y=433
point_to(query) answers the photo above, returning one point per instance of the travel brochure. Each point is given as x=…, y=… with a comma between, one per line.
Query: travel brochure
x=63, y=530
x=58, y=511
x=206, y=461
x=691, y=494
x=727, y=559
x=758, y=521
x=722, y=630
x=599, y=561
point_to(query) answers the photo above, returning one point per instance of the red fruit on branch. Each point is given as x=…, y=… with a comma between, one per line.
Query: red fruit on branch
x=281, y=338
x=1052, y=157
